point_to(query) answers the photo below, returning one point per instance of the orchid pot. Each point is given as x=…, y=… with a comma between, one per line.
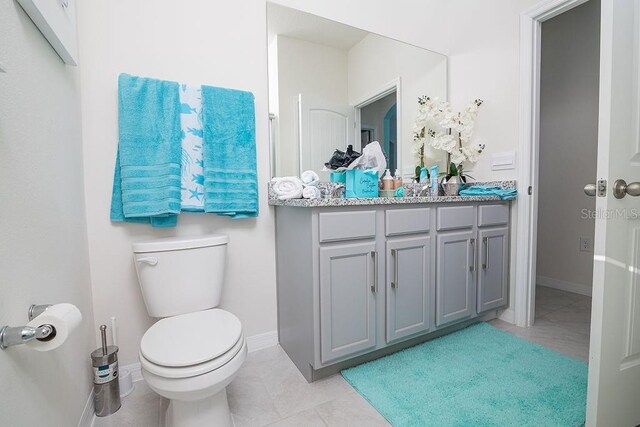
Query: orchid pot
x=454, y=181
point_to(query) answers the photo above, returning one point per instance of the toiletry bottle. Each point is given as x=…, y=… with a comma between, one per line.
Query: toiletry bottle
x=397, y=180
x=434, y=180
x=387, y=181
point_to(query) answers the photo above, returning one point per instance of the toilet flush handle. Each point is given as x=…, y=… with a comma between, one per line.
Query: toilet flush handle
x=148, y=260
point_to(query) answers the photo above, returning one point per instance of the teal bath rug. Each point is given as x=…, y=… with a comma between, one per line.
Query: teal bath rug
x=479, y=376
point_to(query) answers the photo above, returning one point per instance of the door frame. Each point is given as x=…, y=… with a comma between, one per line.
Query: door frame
x=394, y=85
x=530, y=47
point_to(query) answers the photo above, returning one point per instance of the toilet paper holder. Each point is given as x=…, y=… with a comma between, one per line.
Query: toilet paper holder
x=15, y=335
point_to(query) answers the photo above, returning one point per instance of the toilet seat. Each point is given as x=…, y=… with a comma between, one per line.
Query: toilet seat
x=191, y=344
x=193, y=370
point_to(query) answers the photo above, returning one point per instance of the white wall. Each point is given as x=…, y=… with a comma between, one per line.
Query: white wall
x=317, y=72
x=568, y=142
x=374, y=62
x=202, y=42
x=43, y=256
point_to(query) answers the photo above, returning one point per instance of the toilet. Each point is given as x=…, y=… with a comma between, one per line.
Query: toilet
x=196, y=349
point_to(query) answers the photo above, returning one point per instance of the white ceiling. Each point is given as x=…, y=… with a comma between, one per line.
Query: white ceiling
x=304, y=26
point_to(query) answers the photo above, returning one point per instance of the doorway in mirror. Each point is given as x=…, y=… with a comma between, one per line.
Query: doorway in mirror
x=379, y=122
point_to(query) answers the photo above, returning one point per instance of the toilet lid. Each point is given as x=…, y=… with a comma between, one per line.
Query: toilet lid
x=189, y=339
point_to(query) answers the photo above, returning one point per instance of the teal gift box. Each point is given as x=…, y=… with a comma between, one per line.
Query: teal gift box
x=361, y=183
x=339, y=177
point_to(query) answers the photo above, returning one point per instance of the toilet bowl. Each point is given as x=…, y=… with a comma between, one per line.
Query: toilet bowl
x=192, y=353
x=190, y=359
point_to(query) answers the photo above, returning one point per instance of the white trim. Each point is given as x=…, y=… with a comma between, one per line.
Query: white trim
x=88, y=413
x=381, y=92
x=530, y=36
x=508, y=315
x=262, y=341
x=394, y=85
x=563, y=285
x=135, y=369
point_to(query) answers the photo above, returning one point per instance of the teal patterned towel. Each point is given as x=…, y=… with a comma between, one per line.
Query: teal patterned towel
x=229, y=153
x=481, y=190
x=147, y=178
x=192, y=144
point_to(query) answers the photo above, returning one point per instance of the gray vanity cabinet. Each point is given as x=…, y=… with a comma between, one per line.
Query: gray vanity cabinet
x=347, y=300
x=408, y=286
x=359, y=282
x=455, y=276
x=493, y=270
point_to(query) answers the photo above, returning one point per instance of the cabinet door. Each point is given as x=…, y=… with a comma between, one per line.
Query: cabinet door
x=493, y=268
x=455, y=276
x=347, y=300
x=408, y=285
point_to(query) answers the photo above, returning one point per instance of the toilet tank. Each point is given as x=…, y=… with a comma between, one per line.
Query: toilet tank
x=181, y=275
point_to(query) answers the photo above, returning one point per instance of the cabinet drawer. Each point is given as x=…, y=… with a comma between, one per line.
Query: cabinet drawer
x=406, y=221
x=493, y=215
x=455, y=217
x=336, y=226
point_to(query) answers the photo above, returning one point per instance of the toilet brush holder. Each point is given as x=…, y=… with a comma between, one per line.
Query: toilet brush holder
x=106, y=387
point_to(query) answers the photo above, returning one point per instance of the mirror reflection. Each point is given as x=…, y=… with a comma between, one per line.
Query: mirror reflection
x=332, y=85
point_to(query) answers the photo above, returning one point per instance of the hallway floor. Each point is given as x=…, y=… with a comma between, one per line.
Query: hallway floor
x=563, y=323
x=269, y=390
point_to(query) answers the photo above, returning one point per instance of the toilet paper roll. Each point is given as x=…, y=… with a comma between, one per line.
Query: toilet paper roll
x=63, y=317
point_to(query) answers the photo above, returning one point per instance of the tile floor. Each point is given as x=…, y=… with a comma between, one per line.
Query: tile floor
x=563, y=322
x=269, y=390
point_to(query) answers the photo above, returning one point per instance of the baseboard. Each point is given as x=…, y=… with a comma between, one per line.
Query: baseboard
x=135, y=369
x=262, y=341
x=508, y=315
x=88, y=413
x=563, y=285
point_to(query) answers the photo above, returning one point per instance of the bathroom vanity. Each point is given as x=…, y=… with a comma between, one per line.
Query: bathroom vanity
x=360, y=278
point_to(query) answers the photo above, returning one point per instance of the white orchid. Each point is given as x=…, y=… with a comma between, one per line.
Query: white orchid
x=457, y=156
x=444, y=142
x=434, y=113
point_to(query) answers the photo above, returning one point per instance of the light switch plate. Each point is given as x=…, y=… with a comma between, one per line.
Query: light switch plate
x=503, y=161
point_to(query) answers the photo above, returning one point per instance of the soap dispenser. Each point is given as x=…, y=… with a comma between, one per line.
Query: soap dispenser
x=397, y=181
x=387, y=181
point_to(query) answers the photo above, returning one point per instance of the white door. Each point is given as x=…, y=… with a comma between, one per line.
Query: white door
x=614, y=358
x=323, y=128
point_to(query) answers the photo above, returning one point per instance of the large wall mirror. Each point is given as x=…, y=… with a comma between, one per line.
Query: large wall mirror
x=332, y=85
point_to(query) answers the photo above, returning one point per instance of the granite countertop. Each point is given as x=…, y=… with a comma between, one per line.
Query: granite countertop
x=341, y=201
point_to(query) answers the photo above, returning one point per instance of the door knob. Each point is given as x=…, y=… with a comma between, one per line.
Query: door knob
x=590, y=190
x=621, y=189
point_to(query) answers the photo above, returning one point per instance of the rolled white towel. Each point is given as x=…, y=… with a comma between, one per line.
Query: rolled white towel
x=288, y=187
x=310, y=178
x=311, y=192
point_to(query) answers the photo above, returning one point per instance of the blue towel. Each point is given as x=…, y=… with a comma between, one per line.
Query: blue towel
x=481, y=190
x=229, y=152
x=147, y=178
